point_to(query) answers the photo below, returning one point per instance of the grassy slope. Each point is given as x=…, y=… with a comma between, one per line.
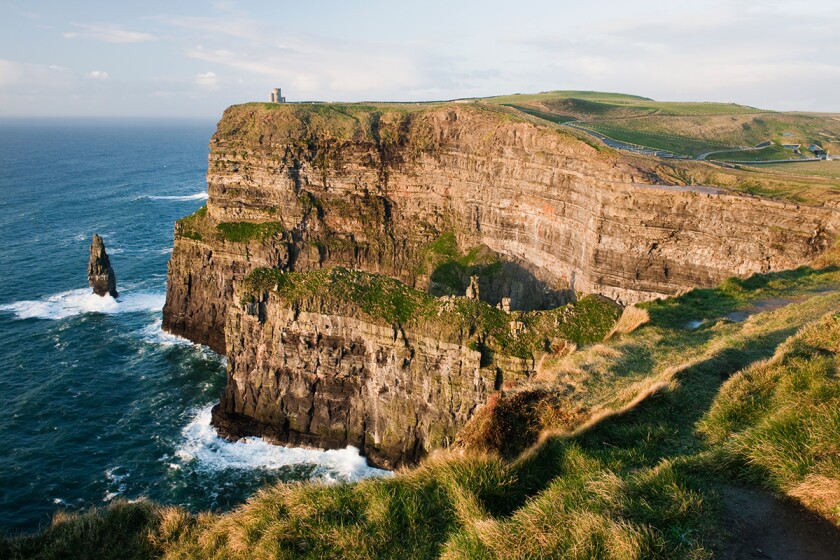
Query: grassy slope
x=687, y=128
x=754, y=400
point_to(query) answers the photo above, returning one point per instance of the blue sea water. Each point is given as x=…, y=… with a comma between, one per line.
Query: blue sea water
x=97, y=402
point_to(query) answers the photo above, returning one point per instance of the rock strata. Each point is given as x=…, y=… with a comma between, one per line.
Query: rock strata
x=101, y=275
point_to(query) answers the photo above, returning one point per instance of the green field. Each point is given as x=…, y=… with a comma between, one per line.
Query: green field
x=829, y=169
x=774, y=152
x=689, y=129
x=678, y=144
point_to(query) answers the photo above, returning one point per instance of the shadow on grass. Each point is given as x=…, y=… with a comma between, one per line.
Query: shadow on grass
x=709, y=303
x=661, y=428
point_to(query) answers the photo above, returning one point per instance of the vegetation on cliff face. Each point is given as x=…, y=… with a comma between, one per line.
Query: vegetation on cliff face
x=387, y=301
x=736, y=384
x=197, y=226
x=242, y=232
x=192, y=226
x=451, y=269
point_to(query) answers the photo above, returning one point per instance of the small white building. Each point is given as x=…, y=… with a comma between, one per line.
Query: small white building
x=276, y=96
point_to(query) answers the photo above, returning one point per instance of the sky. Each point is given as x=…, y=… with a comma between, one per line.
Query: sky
x=187, y=58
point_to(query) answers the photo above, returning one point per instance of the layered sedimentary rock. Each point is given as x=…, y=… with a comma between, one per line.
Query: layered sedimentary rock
x=301, y=188
x=101, y=275
x=332, y=380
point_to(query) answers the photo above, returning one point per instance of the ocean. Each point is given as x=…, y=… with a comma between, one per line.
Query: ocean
x=98, y=402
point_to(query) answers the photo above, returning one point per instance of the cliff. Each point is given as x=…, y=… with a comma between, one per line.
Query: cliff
x=431, y=196
x=338, y=357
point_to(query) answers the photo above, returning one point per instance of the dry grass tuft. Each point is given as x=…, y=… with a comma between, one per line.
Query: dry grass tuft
x=631, y=319
x=821, y=494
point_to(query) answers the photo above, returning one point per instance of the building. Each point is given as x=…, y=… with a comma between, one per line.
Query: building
x=276, y=96
x=818, y=151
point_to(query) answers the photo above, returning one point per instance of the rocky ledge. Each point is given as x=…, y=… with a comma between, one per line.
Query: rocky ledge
x=339, y=357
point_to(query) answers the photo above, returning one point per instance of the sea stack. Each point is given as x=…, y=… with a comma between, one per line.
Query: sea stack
x=101, y=276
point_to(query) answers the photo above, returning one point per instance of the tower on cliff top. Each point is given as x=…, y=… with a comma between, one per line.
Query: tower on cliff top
x=276, y=97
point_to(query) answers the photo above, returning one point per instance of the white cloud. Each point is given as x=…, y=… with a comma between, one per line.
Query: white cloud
x=207, y=80
x=107, y=32
x=97, y=75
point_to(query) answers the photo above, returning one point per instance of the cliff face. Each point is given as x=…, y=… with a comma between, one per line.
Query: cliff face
x=423, y=197
x=331, y=380
x=338, y=357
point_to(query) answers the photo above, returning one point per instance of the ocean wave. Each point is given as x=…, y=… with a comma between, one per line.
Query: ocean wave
x=203, y=445
x=195, y=196
x=77, y=302
x=154, y=334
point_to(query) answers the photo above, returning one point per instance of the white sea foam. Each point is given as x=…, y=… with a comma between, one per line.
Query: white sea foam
x=115, y=478
x=202, y=444
x=195, y=196
x=155, y=334
x=77, y=302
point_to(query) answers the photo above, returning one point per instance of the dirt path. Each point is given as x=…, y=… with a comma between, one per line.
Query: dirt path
x=764, y=527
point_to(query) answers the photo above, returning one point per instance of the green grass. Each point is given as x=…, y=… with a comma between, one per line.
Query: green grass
x=198, y=227
x=773, y=152
x=678, y=144
x=378, y=296
x=684, y=128
x=451, y=269
x=552, y=117
x=120, y=531
x=191, y=226
x=242, y=232
x=824, y=169
x=777, y=423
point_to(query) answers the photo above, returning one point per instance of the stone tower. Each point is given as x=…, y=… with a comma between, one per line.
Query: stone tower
x=276, y=96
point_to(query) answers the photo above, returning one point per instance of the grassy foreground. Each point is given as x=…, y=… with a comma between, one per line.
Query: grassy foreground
x=614, y=451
